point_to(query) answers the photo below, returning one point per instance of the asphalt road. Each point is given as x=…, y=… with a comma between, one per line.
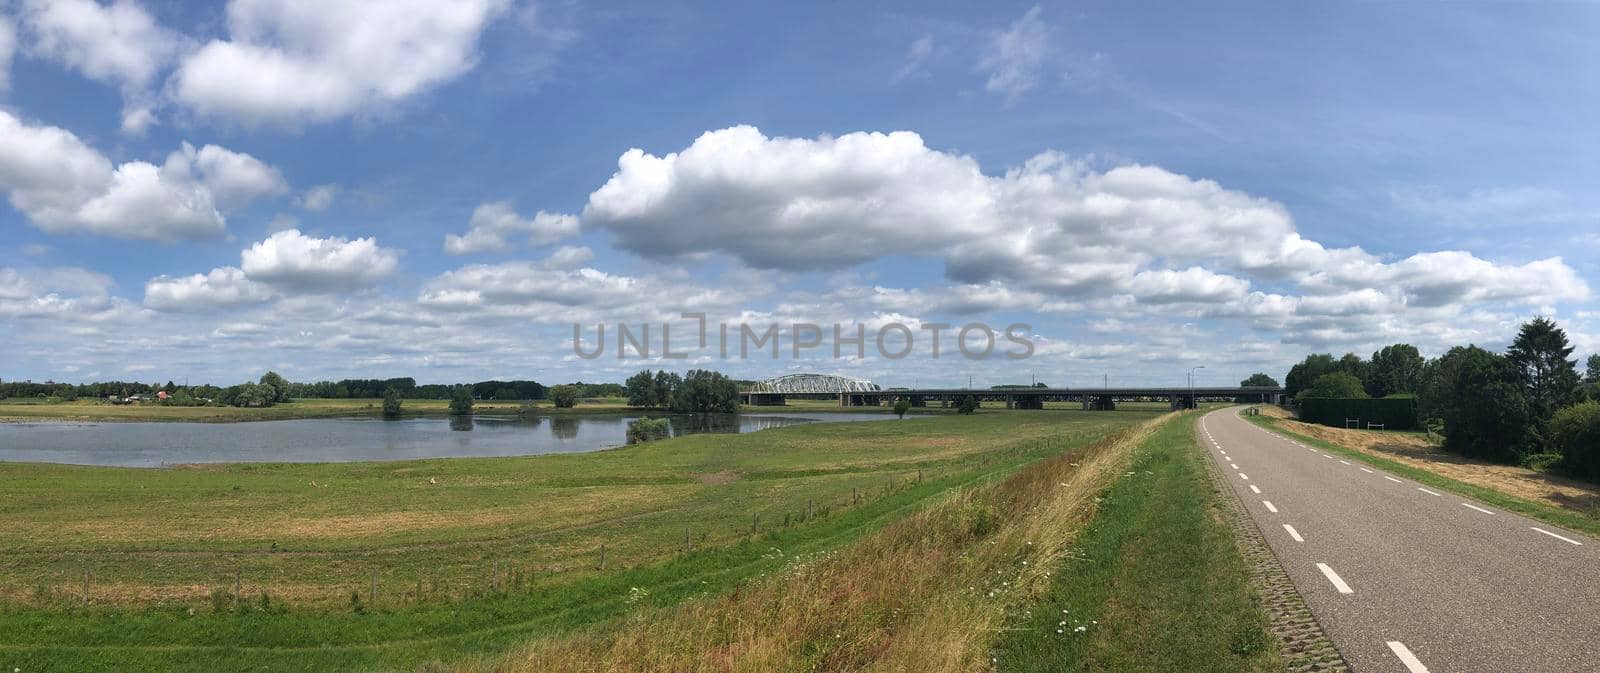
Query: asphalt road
x=1407, y=578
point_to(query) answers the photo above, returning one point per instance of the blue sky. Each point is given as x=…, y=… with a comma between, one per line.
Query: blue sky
x=209, y=190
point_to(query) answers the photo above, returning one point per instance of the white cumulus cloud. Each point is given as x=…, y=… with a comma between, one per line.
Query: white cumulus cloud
x=493, y=223
x=293, y=61
x=65, y=186
x=295, y=261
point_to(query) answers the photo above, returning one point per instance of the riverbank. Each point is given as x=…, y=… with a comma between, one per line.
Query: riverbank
x=457, y=556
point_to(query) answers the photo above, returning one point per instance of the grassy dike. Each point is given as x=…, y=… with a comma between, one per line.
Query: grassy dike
x=164, y=544
x=1155, y=584
x=1572, y=520
x=1124, y=531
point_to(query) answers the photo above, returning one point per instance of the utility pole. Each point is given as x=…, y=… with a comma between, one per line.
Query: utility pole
x=1192, y=403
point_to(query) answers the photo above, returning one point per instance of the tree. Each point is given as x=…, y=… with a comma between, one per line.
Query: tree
x=280, y=387
x=703, y=392
x=1436, y=389
x=901, y=406
x=1540, y=353
x=1489, y=414
x=1394, y=369
x=967, y=405
x=391, y=402
x=1302, y=375
x=1259, y=379
x=1338, y=385
x=1591, y=370
x=461, y=401
x=564, y=397
x=641, y=390
x=1575, y=432
x=666, y=384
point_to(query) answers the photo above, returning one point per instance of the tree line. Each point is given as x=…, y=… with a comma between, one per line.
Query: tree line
x=1528, y=405
x=698, y=392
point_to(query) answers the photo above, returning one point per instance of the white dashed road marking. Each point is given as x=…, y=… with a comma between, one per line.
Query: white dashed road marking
x=1368, y=471
x=1296, y=535
x=1426, y=491
x=1345, y=462
x=1257, y=490
x=1563, y=538
x=1244, y=476
x=1233, y=466
x=1270, y=507
x=1391, y=479
x=1333, y=577
x=1469, y=505
x=1406, y=657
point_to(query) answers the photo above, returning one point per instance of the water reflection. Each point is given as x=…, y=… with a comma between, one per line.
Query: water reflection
x=319, y=440
x=565, y=427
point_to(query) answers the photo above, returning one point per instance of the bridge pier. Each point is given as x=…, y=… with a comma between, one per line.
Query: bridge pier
x=1099, y=403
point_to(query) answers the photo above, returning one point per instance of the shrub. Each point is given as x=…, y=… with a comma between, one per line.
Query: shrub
x=901, y=406
x=391, y=402
x=1575, y=432
x=1393, y=413
x=564, y=397
x=461, y=401
x=649, y=429
x=967, y=405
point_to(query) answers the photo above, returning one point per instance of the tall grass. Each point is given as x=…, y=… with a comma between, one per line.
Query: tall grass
x=926, y=593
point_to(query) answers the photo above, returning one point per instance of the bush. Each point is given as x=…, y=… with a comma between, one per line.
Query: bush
x=649, y=429
x=1575, y=432
x=967, y=405
x=1393, y=413
x=901, y=406
x=391, y=402
x=564, y=397
x=461, y=401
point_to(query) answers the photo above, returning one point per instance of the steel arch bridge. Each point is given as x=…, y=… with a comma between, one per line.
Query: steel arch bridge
x=813, y=384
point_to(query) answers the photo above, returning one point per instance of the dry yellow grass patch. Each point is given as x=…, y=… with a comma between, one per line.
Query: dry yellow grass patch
x=925, y=594
x=1415, y=451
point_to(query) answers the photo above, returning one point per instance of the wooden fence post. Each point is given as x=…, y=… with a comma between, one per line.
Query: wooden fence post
x=85, y=587
x=602, y=557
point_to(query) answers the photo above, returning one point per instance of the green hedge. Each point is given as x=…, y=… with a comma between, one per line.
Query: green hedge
x=1393, y=413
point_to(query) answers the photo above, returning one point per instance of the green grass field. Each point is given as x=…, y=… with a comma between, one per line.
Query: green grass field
x=1156, y=584
x=469, y=555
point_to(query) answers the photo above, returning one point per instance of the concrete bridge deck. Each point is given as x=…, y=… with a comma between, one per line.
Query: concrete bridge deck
x=1033, y=398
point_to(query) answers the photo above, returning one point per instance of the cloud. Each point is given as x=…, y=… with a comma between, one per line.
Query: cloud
x=916, y=58
x=69, y=294
x=119, y=44
x=296, y=61
x=568, y=257
x=234, y=178
x=65, y=186
x=1015, y=56
x=493, y=222
x=222, y=287
x=318, y=198
x=1051, y=230
x=294, y=261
